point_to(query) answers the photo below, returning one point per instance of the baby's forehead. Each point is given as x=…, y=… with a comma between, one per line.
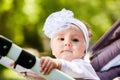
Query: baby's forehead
x=71, y=30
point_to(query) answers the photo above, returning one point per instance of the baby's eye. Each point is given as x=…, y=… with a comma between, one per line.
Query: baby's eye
x=62, y=39
x=75, y=40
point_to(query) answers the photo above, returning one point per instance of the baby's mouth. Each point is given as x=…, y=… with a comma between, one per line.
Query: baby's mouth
x=66, y=51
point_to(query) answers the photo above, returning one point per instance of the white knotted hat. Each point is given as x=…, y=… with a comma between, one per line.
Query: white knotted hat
x=60, y=20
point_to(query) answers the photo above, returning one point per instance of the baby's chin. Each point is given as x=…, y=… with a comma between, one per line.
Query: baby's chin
x=68, y=58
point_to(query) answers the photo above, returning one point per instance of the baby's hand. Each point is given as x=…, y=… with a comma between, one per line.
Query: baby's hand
x=48, y=63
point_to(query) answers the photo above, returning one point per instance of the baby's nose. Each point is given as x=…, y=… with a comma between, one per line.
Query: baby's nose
x=68, y=44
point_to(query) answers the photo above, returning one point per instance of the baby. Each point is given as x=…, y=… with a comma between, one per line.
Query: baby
x=69, y=43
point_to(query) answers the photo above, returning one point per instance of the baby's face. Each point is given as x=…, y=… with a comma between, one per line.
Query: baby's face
x=68, y=44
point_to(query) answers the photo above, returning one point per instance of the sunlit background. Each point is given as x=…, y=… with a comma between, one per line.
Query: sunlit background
x=22, y=22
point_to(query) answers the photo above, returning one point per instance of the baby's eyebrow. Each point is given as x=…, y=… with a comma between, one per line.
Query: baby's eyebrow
x=76, y=35
x=60, y=35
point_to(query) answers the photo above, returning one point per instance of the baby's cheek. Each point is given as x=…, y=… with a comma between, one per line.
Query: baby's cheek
x=55, y=53
x=80, y=52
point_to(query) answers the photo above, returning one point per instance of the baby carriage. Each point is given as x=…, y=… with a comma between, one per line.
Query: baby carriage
x=106, y=54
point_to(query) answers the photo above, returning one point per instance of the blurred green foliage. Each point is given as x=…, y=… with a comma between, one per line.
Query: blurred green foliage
x=22, y=20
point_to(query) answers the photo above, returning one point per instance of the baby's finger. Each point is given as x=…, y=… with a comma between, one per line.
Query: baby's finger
x=12, y=64
x=43, y=64
x=49, y=69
